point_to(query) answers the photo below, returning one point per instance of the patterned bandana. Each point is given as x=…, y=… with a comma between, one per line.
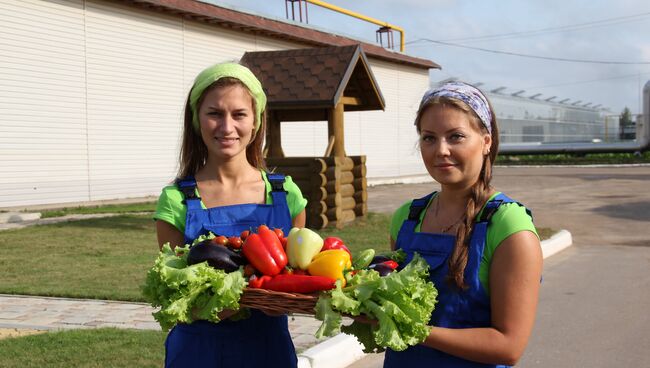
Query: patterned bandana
x=232, y=70
x=466, y=93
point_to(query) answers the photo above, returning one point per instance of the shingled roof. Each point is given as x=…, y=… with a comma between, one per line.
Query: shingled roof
x=256, y=24
x=316, y=77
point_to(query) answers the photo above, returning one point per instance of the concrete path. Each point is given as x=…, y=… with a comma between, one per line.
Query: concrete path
x=46, y=313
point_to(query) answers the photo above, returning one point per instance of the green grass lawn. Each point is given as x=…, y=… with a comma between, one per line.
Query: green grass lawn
x=106, y=258
x=103, y=258
x=109, y=208
x=574, y=159
x=96, y=348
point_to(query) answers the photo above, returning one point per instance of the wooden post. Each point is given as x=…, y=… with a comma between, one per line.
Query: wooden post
x=273, y=136
x=335, y=129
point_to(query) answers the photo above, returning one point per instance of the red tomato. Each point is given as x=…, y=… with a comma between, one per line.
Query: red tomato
x=283, y=241
x=244, y=234
x=220, y=240
x=235, y=242
x=262, y=227
x=249, y=270
x=279, y=233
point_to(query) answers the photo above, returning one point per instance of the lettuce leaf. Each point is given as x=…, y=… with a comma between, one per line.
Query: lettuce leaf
x=188, y=293
x=401, y=303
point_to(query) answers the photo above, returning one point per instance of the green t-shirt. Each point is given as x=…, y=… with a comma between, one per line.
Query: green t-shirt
x=510, y=218
x=170, y=207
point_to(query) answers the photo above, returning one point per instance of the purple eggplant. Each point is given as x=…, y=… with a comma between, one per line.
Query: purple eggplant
x=383, y=269
x=380, y=259
x=216, y=255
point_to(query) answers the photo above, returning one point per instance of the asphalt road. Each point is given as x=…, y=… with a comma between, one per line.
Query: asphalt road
x=594, y=308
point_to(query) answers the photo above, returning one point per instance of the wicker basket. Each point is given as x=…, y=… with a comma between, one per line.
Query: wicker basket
x=275, y=301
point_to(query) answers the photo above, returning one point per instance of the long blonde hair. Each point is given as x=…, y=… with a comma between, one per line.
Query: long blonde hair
x=479, y=192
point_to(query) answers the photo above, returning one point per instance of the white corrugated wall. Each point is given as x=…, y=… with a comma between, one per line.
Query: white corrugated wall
x=92, y=92
x=43, y=130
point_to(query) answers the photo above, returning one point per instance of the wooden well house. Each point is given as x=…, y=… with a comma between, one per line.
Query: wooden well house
x=319, y=84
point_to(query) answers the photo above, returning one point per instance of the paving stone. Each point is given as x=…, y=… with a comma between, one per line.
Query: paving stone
x=9, y=315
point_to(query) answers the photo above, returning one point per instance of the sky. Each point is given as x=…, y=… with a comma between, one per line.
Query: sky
x=611, y=39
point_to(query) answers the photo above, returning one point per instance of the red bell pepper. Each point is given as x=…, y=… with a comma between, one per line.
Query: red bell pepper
x=391, y=264
x=297, y=283
x=264, y=251
x=332, y=242
x=257, y=282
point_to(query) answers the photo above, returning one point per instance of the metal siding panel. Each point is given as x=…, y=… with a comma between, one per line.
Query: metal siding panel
x=413, y=84
x=42, y=103
x=304, y=138
x=381, y=131
x=269, y=44
x=205, y=45
x=135, y=95
x=103, y=99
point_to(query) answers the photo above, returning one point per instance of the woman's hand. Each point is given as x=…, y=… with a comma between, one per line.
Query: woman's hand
x=227, y=313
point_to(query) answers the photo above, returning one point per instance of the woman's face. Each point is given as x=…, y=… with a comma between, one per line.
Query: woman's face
x=452, y=146
x=227, y=120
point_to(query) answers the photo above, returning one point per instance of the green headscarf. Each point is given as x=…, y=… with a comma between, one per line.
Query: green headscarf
x=232, y=70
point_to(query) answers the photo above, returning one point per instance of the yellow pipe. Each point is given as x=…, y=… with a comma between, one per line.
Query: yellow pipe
x=362, y=17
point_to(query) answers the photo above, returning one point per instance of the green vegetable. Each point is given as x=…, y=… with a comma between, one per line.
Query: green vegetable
x=363, y=259
x=398, y=256
x=187, y=293
x=401, y=302
x=302, y=245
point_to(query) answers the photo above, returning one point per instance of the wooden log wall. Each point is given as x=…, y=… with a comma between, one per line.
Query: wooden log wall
x=335, y=187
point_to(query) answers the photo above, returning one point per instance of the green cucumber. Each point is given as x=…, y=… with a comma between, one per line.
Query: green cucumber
x=363, y=259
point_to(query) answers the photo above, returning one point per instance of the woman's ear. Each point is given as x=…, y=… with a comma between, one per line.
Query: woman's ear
x=487, y=140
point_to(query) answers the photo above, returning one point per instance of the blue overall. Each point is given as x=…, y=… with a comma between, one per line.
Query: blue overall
x=455, y=309
x=258, y=341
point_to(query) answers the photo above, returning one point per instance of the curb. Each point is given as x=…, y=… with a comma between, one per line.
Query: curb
x=336, y=352
x=556, y=243
x=343, y=350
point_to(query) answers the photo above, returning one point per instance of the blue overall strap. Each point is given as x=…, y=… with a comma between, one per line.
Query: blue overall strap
x=278, y=194
x=417, y=206
x=492, y=206
x=188, y=187
x=277, y=182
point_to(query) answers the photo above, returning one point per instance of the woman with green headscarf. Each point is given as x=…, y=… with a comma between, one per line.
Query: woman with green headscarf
x=222, y=187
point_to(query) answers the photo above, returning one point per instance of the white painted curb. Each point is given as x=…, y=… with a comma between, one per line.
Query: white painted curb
x=343, y=350
x=556, y=243
x=336, y=352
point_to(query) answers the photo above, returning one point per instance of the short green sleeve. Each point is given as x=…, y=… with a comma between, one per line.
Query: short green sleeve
x=398, y=218
x=510, y=218
x=170, y=207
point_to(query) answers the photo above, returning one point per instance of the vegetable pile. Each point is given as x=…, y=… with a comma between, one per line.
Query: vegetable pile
x=186, y=293
x=401, y=302
x=197, y=282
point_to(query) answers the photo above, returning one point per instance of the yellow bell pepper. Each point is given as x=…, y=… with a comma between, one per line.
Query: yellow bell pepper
x=330, y=263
